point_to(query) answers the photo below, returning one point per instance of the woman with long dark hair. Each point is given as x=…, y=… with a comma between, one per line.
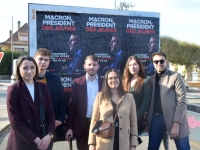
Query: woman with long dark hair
x=28, y=103
x=135, y=82
x=111, y=100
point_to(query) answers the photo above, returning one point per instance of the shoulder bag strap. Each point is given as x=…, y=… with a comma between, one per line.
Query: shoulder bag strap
x=115, y=115
x=42, y=116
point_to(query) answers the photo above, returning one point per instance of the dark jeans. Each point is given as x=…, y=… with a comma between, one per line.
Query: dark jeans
x=157, y=131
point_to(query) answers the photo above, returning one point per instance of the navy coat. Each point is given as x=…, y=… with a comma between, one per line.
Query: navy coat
x=59, y=104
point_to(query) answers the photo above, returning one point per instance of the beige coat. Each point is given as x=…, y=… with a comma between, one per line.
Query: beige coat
x=173, y=100
x=127, y=122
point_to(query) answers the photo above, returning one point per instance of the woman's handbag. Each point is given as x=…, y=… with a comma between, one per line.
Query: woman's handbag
x=104, y=129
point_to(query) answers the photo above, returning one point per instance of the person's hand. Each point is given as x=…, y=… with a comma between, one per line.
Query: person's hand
x=57, y=123
x=132, y=148
x=37, y=141
x=92, y=147
x=175, y=130
x=69, y=133
x=44, y=143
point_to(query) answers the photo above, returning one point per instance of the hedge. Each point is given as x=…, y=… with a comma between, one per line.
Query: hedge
x=5, y=65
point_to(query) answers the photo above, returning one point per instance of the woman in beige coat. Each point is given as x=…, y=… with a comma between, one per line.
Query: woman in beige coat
x=107, y=102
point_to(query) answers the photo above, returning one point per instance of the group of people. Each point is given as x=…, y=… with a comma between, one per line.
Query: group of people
x=131, y=97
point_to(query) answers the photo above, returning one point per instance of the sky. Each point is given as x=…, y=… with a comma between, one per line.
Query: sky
x=179, y=19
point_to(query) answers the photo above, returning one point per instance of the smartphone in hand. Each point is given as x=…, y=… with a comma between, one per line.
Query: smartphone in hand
x=97, y=126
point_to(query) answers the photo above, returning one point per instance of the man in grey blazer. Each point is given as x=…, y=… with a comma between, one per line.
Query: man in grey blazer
x=168, y=108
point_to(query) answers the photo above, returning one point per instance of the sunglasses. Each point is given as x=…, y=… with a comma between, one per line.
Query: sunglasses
x=157, y=61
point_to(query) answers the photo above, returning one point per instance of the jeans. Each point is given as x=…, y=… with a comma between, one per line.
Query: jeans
x=157, y=131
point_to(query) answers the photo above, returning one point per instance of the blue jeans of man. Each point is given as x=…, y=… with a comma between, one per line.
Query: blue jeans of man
x=157, y=131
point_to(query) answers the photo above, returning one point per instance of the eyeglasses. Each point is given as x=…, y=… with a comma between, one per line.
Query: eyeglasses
x=157, y=61
x=111, y=78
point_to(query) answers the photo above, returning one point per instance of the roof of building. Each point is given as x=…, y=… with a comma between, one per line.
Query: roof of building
x=23, y=31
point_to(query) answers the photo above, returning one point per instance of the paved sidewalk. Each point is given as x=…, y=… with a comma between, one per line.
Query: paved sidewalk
x=4, y=122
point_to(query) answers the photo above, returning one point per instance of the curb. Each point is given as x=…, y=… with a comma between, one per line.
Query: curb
x=4, y=128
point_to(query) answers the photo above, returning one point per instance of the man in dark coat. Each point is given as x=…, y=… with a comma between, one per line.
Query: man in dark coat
x=153, y=47
x=84, y=92
x=75, y=53
x=117, y=54
x=42, y=57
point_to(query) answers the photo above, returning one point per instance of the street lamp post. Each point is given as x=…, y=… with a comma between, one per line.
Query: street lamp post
x=114, y=4
x=13, y=65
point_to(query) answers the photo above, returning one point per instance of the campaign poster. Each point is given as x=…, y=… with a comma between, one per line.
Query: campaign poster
x=110, y=35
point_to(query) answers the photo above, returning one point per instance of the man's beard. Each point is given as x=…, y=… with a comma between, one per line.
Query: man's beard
x=91, y=74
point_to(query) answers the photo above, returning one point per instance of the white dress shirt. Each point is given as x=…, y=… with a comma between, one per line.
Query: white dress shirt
x=92, y=90
x=31, y=90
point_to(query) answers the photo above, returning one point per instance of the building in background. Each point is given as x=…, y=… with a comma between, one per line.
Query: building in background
x=20, y=39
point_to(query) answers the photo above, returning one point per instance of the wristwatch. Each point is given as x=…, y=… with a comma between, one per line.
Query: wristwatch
x=51, y=135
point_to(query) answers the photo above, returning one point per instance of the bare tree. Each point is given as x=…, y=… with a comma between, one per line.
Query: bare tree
x=125, y=6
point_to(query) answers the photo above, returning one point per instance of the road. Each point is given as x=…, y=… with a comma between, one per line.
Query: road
x=193, y=96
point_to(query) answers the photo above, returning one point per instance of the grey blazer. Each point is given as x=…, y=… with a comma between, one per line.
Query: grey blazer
x=173, y=100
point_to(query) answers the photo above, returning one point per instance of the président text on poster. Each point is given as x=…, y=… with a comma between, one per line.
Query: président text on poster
x=100, y=24
x=140, y=26
x=58, y=22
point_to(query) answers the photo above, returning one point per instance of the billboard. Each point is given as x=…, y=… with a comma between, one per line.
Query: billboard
x=72, y=33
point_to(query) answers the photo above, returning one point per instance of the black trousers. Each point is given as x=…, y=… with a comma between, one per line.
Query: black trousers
x=116, y=139
x=82, y=141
